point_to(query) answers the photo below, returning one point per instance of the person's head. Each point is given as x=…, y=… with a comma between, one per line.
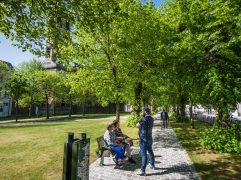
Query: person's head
x=116, y=123
x=163, y=110
x=110, y=127
x=146, y=111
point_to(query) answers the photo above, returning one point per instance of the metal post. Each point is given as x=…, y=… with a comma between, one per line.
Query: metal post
x=68, y=157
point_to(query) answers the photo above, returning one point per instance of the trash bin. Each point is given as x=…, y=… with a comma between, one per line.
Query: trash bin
x=76, y=158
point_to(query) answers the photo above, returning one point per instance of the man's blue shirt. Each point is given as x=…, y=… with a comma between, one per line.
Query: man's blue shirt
x=145, y=131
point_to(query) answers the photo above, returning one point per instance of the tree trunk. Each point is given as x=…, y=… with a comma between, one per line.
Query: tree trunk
x=70, y=107
x=137, y=101
x=223, y=116
x=191, y=115
x=83, y=108
x=117, y=110
x=174, y=108
x=178, y=110
x=16, y=110
x=30, y=110
x=182, y=107
x=47, y=107
x=53, y=106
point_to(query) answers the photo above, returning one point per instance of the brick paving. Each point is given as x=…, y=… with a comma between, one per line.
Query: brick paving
x=171, y=161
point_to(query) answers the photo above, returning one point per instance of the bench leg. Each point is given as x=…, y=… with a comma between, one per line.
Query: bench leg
x=102, y=161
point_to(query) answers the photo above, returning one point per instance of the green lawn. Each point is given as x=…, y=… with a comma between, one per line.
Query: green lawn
x=36, y=151
x=209, y=164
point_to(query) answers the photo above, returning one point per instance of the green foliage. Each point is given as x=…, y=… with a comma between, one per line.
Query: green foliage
x=132, y=120
x=185, y=52
x=49, y=86
x=30, y=66
x=223, y=139
x=5, y=71
x=16, y=85
x=32, y=95
x=179, y=118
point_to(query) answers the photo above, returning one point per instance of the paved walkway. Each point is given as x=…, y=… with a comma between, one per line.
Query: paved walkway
x=172, y=161
x=43, y=120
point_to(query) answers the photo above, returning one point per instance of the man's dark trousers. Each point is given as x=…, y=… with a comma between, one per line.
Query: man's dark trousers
x=165, y=122
x=144, y=147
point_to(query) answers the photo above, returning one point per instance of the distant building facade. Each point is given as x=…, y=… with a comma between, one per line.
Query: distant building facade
x=5, y=99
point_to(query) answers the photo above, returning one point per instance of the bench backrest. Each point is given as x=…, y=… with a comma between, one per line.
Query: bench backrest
x=100, y=142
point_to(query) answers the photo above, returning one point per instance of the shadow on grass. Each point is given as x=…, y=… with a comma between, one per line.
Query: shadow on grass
x=190, y=138
x=225, y=168
x=209, y=164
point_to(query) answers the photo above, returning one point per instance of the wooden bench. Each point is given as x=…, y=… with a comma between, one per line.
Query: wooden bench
x=103, y=151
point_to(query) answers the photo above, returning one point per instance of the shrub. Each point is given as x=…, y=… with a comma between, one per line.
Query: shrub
x=179, y=118
x=223, y=139
x=133, y=120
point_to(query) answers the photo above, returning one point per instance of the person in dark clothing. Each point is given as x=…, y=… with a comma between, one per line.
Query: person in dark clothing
x=164, y=118
x=145, y=126
x=119, y=133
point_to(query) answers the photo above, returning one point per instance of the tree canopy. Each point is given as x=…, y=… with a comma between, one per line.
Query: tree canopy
x=184, y=52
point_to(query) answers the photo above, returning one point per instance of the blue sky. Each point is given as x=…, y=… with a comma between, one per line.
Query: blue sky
x=12, y=54
x=15, y=56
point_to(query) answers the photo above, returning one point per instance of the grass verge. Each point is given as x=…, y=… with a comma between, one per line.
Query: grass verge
x=209, y=164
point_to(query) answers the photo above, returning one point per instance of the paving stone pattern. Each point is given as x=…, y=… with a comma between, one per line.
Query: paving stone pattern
x=171, y=161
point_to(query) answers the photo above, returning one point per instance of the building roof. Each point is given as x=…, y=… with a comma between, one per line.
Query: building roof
x=8, y=64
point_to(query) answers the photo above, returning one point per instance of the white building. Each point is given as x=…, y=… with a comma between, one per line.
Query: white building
x=5, y=99
x=5, y=105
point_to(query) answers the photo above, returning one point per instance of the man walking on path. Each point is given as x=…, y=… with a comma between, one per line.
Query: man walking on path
x=145, y=126
x=164, y=118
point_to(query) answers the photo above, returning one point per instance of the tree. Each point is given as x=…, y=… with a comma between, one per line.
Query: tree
x=32, y=95
x=94, y=49
x=204, y=48
x=30, y=23
x=140, y=40
x=16, y=87
x=48, y=85
x=221, y=43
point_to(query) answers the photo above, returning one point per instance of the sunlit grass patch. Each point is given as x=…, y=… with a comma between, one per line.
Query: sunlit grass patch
x=209, y=164
x=36, y=151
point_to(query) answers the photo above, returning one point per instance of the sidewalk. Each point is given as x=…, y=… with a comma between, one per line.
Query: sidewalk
x=43, y=120
x=171, y=161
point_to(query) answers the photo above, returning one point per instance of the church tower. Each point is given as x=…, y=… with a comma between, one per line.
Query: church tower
x=50, y=62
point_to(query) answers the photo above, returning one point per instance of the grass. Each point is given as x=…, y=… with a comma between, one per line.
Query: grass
x=36, y=151
x=209, y=164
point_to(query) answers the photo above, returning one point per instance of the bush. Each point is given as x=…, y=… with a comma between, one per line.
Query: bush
x=223, y=139
x=133, y=120
x=179, y=118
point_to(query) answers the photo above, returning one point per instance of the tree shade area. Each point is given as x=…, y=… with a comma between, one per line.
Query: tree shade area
x=184, y=52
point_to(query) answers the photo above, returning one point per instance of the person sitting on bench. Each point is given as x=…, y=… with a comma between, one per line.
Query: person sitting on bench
x=110, y=141
x=118, y=133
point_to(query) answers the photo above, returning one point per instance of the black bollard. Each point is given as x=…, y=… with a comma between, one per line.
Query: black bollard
x=68, y=157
